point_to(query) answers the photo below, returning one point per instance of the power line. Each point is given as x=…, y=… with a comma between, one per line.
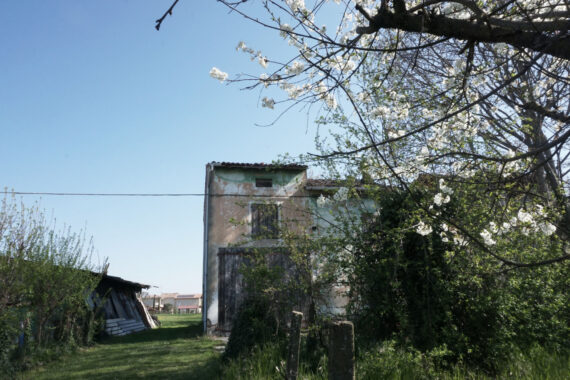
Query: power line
x=110, y=194
x=158, y=194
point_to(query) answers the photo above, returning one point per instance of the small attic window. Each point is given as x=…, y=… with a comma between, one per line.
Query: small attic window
x=263, y=182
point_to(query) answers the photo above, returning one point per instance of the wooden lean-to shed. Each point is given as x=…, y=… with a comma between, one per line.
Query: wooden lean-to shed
x=121, y=303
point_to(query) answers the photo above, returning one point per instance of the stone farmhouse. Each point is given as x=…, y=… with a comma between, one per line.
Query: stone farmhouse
x=245, y=208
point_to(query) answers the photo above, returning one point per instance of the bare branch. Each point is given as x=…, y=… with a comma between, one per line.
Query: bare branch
x=167, y=13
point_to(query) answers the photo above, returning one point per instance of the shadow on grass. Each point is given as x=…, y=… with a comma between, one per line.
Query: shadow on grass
x=161, y=334
x=174, y=351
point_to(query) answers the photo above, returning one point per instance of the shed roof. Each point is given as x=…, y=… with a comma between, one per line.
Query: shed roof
x=120, y=281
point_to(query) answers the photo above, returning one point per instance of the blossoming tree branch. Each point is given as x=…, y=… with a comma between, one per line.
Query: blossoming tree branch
x=470, y=97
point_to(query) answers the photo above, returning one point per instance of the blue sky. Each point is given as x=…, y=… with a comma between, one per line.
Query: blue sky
x=94, y=99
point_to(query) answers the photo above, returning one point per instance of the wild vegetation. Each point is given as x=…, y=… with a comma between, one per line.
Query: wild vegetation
x=452, y=116
x=421, y=304
x=45, y=279
x=176, y=350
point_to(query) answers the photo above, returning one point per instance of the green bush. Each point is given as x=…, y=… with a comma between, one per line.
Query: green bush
x=426, y=294
x=254, y=325
x=45, y=277
x=388, y=361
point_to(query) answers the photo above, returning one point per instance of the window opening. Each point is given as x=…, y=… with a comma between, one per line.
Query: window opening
x=263, y=182
x=265, y=220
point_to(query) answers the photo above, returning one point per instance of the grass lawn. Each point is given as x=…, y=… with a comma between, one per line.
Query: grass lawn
x=175, y=351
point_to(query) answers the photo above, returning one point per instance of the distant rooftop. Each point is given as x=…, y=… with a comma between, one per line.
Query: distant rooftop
x=188, y=296
x=259, y=165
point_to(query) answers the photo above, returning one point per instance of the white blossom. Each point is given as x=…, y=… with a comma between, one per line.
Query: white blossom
x=267, y=103
x=426, y=113
x=423, y=229
x=262, y=61
x=396, y=134
x=241, y=46
x=380, y=111
x=444, y=188
x=487, y=237
x=459, y=240
x=285, y=30
x=524, y=216
x=322, y=201
x=439, y=199
x=296, y=68
x=547, y=228
x=505, y=227
x=341, y=194
x=218, y=74
x=263, y=78
x=296, y=5
x=331, y=101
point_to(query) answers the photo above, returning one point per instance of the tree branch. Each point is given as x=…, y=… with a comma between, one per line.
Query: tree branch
x=555, y=43
x=167, y=13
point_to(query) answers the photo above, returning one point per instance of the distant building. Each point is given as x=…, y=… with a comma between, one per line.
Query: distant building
x=152, y=302
x=169, y=299
x=179, y=303
x=188, y=303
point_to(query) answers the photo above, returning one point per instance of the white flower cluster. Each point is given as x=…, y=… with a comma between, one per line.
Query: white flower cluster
x=267, y=103
x=457, y=238
x=296, y=5
x=324, y=93
x=218, y=74
x=295, y=69
x=487, y=239
x=511, y=167
x=322, y=201
x=342, y=64
x=262, y=60
x=525, y=221
x=341, y=195
x=285, y=30
x=397, y=112
x=443, y=196
x=396, y=134
x=423, y=228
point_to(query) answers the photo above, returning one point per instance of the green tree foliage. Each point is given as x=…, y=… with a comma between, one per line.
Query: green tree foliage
x=431, y=294
x=45, y=279
x=168, y=308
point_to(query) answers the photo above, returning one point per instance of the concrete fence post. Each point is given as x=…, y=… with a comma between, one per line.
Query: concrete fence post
x=294, y=345
x=341, y=351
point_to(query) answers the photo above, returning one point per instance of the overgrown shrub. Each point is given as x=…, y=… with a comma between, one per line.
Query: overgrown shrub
x=426, y=293
x=254, y=325
x=45, y=278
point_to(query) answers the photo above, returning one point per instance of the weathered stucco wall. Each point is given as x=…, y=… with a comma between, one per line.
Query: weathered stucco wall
x=231, y=191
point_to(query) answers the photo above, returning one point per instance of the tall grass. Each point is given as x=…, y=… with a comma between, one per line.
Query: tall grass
x=387, y=362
